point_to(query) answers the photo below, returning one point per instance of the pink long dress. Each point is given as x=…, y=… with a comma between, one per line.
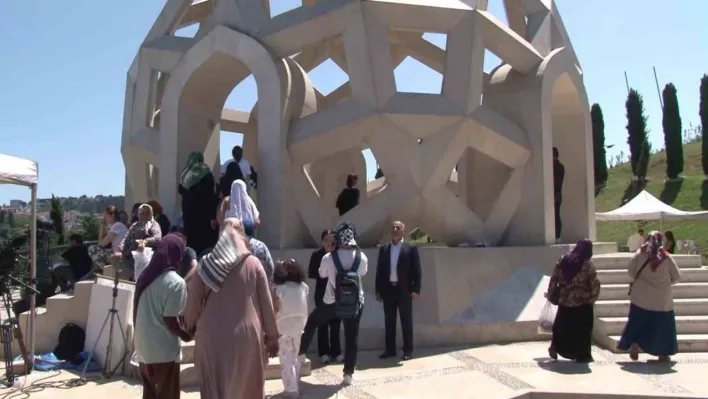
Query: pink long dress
x=229, y=351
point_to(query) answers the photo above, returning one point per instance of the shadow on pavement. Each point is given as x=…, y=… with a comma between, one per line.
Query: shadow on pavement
x=563, y=367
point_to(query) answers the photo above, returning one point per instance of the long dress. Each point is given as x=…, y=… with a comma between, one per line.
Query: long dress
x=651, y=322
x=230, y=353
x=572, y=328
x=198, y=210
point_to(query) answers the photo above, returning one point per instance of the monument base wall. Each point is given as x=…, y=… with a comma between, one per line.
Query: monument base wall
x=468, y=295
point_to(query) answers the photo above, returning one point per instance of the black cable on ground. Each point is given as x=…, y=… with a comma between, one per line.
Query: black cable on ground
x=38, y=386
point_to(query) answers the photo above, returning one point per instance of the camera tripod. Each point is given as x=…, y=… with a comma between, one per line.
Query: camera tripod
x=110, y=320
x=10, y=329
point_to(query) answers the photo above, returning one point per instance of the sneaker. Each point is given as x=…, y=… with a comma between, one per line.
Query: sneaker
x=347, y=380
x=339, y=359
x=325, y=359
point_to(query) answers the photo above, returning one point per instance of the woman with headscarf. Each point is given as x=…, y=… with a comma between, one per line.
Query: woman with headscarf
x=259, y=249
x=575, y=285
x=160, y=298
x=199, y=202
x=651, y=325
x=145, y=232
x=239, y=205
x=160, y=217
x=229, y=305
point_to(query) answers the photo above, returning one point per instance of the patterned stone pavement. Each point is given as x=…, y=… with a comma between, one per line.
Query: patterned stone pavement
x=489, y=372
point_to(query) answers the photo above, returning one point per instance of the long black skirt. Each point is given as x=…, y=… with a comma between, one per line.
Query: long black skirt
x=572, y=332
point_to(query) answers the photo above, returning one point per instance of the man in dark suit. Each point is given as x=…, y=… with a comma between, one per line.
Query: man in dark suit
x=398, y=278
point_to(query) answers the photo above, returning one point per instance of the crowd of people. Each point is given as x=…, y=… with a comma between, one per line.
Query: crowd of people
x=651, y=324
x=211, y=280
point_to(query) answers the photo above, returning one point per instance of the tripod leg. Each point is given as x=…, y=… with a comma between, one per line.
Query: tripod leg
x=95, y=345
x=6, y=332
x=125, y=346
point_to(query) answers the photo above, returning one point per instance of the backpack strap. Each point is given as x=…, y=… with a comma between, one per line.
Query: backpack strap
x=338, y=262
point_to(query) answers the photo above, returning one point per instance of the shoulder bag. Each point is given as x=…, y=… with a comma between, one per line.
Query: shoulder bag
x=641, y=269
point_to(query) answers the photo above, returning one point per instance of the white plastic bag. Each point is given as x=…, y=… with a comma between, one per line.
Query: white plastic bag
x=142, y=260
x=547, y=318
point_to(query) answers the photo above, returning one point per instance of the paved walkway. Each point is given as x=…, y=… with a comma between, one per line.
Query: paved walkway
x=489, y=372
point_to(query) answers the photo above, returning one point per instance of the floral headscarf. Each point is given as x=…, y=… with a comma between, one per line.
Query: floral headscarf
x=654, y=249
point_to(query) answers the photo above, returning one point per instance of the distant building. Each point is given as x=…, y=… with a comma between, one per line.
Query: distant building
x=17, y=204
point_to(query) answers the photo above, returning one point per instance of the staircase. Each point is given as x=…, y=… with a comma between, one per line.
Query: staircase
x=690, y=301
x=189, y=377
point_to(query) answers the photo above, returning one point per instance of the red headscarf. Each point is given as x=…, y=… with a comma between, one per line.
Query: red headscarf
x=167, y=257
x=654, y=249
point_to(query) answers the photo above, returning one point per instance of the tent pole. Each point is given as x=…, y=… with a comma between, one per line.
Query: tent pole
x=33, y=273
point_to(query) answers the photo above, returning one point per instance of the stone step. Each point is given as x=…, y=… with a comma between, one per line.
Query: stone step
x=620, y=276
x=189, y=377
x=682, y=307
x=620, y=260
x=680, y=290
x=686, y=342
x=684, y=324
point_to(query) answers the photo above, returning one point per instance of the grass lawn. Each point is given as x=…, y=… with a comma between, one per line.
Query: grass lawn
x=689, y=194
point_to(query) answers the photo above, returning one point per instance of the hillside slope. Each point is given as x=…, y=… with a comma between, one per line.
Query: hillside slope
x=689, y=194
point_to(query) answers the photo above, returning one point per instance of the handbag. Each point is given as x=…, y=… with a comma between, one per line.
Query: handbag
x=554, y=294
x=637, y=276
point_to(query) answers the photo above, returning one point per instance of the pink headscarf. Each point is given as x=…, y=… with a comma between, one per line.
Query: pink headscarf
x=654, y=249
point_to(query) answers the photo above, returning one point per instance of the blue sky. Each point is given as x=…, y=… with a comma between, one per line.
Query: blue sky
x=62, y=77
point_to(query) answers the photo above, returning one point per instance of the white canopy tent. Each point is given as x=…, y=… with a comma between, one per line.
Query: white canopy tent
x=647, y=207
x=23, y=172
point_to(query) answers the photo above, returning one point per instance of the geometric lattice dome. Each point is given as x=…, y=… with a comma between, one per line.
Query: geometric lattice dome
x=470, y=164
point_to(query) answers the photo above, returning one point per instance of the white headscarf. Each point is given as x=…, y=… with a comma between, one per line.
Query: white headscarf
x=241, y=206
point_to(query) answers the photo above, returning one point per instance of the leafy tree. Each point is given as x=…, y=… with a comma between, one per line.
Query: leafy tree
x=56, y=214
x=704, y=122
x=598, y=144
x=673, y=140
x=11, y=219
x=89, y=226
x=643, y=161
x=2, y=216
x=636, y=128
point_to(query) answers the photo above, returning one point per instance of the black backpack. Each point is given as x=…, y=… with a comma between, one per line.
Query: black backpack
x=71, y=342
x=347, y=291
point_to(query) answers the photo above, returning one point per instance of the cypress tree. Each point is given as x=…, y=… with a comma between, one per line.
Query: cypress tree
x=636, y=127
x=643, y=161
x=598, y=144
x=11, y=219
x=673, y=140
x=704, y=123
x=56, y=214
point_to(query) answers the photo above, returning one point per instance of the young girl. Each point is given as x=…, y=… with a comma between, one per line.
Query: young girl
x=290, y=302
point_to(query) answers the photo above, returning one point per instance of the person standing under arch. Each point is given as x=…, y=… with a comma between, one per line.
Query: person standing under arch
x=558, y=177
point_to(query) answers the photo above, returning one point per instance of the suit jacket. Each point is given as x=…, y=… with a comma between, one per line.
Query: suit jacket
x=409, y=274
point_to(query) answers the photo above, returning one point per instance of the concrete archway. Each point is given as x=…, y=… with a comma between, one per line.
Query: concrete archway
x=568, y=117
x=191, y=113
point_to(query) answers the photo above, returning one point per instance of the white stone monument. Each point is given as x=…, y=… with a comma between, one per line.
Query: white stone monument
x=498, y=127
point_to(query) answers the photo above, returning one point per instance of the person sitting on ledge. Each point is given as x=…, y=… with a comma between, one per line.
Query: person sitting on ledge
x=349, y=197
x=79, y=264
